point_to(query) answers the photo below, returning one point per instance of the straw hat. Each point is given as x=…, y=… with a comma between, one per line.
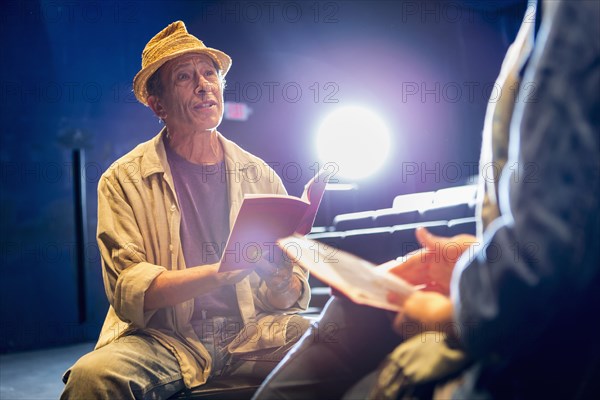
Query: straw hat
x=172, y=42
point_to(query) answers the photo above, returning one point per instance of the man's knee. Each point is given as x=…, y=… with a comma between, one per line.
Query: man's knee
x=296, y=328
x=88, y=375
x=131, y=368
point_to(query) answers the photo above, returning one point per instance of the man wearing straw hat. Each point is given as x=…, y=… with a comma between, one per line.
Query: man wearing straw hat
x=164, y=212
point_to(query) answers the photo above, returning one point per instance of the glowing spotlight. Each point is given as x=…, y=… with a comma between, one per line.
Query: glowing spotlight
x=355, y=139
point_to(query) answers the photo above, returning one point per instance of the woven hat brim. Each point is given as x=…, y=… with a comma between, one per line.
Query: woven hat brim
x=141, y=78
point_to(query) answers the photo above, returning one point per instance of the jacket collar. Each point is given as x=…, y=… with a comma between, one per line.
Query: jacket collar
x=155, y=157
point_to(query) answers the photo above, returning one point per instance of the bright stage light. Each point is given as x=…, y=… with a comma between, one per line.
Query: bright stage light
x=355, y=139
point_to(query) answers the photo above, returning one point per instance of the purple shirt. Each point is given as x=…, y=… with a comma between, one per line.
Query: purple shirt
x=204, y=203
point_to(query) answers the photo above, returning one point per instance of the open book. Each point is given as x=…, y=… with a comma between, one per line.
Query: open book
x=361, y=281
x=264, y=218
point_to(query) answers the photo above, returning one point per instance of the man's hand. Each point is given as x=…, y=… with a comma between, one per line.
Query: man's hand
x=423, y=312
x=433, y=264
x=277, y=271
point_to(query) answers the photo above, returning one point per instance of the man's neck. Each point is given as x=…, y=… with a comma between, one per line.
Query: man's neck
x=196, y=147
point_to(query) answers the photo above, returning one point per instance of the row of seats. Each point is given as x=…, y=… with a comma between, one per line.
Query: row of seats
x=379, y=245
x=444, y=204
x=382, y=244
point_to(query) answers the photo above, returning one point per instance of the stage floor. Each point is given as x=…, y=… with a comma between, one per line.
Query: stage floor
x=37, y=374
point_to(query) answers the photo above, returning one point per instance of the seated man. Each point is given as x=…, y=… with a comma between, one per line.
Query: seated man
x=521, y=307
x=164, y=213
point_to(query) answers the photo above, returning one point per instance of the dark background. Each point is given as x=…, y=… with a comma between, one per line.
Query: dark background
x=67, y=68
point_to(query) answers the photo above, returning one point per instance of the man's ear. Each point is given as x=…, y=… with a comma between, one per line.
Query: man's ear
x=156, y=106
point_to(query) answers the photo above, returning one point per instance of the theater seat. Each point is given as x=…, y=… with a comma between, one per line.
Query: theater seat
x=355, y=220
x=393, y=216
x=413, y=201
x=462, y=225
x=403, y=239
x=333, y=239
x=370, y=244
x=451, y=203
x=447, y=213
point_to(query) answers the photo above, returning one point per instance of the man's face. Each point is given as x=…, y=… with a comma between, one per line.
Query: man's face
x=192, y=93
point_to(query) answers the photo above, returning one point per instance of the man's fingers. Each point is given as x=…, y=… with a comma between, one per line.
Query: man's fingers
x=427, y=239
x=415, y=269
x=271, y=262
x=406, y=326
x=235, y=276
x=429, y=308
x=422, y=236
x=265, y=268
x=409, y=261
x=395, y=298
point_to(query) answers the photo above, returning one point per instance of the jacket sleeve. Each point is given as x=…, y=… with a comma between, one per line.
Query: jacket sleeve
x=127, y=274
x=540, y=258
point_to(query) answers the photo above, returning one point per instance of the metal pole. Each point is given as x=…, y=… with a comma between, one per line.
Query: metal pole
x=80, y=229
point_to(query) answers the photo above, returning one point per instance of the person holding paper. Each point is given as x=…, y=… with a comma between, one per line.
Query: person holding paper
x=523, y=305
x=515, y=315
x=164, y=214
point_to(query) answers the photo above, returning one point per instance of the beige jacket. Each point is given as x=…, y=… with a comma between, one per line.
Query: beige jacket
x=138, y=237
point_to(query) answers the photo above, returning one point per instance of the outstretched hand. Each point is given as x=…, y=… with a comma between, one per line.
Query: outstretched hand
x=432, y=265
x=429, y=309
